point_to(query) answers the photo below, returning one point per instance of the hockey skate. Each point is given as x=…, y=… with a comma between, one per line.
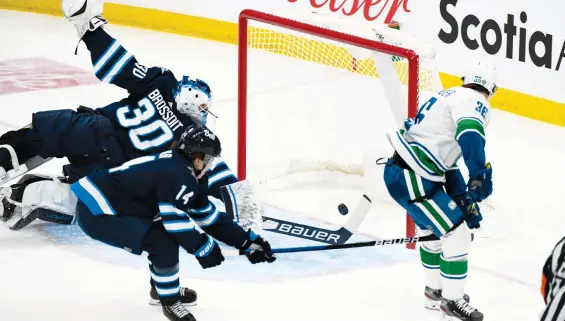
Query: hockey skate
x=187, y=296
x=177, y=312
x=433, y=298
x=459, y=310
x=86, y=15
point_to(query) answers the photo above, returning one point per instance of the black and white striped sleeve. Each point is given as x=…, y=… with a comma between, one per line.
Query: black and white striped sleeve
x=554, y=309
x=553, y=281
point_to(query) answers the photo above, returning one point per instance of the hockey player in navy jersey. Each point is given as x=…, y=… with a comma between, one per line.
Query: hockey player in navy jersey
x=148, y=121
x=154, y=204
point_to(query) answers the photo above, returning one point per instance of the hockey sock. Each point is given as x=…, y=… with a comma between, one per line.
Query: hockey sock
x=167, y=283
x=453, y=262
x=430, y=257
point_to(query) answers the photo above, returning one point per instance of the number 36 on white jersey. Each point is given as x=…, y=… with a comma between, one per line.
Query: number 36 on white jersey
x=429, y=143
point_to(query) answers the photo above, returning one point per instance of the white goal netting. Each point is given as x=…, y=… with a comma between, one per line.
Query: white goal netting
x=318, y=109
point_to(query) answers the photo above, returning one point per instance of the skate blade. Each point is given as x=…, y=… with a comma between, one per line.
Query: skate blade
x=432, y=305
x=154, y=302
x=445, y=317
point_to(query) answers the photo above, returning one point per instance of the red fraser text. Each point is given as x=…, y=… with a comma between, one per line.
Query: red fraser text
x=372, y=9
x=32, y=74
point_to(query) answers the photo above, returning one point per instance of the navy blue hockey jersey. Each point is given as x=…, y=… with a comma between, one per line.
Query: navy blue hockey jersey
x=160, y=186
x=147, y=121
x=148, y=117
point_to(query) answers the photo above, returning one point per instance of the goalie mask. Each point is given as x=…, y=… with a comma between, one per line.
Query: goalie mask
x=194, y=98
x=199, y=141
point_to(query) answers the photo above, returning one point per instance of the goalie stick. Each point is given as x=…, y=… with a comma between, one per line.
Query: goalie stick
x=303, y=231
x=339, y=236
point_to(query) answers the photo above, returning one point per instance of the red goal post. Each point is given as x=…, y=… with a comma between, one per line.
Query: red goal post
x=413, y=70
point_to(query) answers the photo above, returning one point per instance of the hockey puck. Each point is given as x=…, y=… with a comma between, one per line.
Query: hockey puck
x=342, y=208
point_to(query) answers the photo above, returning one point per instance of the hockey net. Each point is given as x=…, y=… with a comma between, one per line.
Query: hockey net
x=317, y=95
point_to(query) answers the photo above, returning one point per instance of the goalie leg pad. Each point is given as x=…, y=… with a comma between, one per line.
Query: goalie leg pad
x=426, y=202
x=36, y=196
x=453, y=262
x=50, y=194
x=14, y=194
x=243, y=205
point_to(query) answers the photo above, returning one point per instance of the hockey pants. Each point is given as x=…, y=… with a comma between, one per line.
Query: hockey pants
x=425, y=201
x=135, y=235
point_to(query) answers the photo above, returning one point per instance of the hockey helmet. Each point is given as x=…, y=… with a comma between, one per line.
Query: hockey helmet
x=482, y=74
x=193, y=98
x=199, y=141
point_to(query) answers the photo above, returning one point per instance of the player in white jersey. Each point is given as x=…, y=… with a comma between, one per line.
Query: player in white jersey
x=423, y=178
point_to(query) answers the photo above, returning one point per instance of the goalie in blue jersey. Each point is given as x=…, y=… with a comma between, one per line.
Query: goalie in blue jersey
x=157, y=110
x=154, y=204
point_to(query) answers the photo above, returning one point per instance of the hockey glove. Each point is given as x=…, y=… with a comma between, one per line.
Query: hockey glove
x=85, y=110
x=471, y=210
x=209, y=254
x=480, y=184
x=257, y=249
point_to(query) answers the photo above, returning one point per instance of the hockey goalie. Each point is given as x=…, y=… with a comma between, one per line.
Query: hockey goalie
x=148, y=121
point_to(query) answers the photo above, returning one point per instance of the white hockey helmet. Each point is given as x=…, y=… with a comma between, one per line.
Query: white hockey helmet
x=483, y=74
x=194, y=98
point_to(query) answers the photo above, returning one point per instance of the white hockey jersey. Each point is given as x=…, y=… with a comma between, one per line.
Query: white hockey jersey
x=430, y=145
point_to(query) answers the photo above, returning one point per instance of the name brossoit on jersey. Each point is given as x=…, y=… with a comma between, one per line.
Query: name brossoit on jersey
x=165, y=111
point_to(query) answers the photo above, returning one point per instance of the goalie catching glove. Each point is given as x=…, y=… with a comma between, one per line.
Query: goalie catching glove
x=256, y=249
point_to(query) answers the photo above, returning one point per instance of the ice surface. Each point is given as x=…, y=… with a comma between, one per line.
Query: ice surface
x=50, y=272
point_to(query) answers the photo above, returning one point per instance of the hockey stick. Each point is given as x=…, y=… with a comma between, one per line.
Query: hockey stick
x=303, y=231
x=415, y=239
x=339, y=236
x=403, y=240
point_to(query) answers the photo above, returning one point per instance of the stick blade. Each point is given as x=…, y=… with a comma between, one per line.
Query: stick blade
x=359, y=214
x=355, y=220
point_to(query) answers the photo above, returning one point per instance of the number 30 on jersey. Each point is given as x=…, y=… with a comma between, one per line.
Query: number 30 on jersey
x=145, y=131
